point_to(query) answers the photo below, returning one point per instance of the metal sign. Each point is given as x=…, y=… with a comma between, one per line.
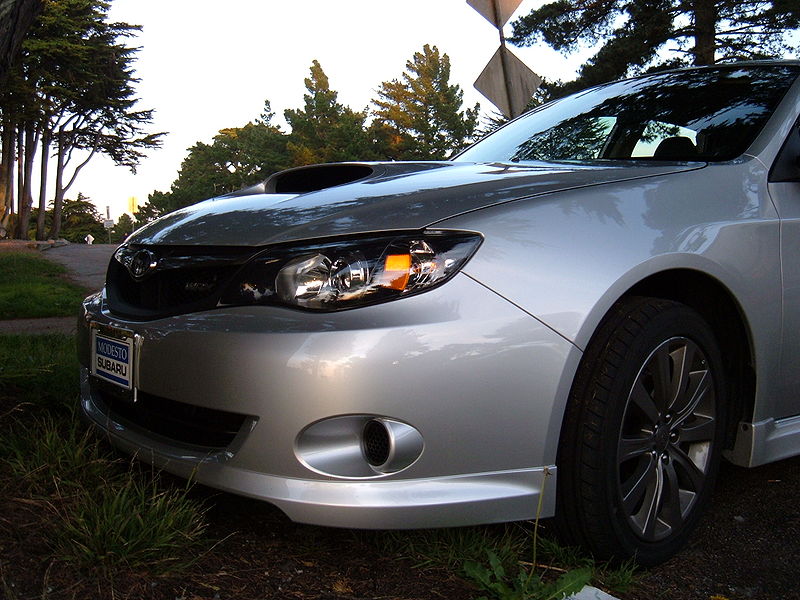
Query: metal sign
x=497, y=12
x=507, y=82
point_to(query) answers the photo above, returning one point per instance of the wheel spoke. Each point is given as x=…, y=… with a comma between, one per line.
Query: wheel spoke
x=682, y=359
x=633, y=447
x=634, y=488
x=671, y=510
x=662, y=379
x=701, y=430
x=699, y=391
x=696, y=477
x=652, y=503
x=641, y=397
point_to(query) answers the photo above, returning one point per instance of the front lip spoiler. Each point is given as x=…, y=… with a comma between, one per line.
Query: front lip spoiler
x=447, y=501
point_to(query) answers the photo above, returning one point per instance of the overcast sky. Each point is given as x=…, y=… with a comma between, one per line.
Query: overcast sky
x=205, y=66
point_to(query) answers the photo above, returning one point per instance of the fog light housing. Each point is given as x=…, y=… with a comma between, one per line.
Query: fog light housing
x=358, y=446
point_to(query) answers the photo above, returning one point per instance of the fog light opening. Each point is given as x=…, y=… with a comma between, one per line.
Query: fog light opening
x=376, y=443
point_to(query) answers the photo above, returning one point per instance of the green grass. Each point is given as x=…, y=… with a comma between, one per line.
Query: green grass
x=50, y=456
x=499, y=559
x=33, y=287
x=453, y=546
x=134, y=524
x=41, y=369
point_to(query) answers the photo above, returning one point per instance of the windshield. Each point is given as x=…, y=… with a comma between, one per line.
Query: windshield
x=705, y=114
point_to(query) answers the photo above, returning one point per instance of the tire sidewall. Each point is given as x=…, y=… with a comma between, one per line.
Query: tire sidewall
x=676, y=321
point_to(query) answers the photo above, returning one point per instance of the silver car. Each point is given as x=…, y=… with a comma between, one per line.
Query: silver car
x=589, y=309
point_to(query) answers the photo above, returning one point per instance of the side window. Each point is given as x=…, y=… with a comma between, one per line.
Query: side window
x=656, y=132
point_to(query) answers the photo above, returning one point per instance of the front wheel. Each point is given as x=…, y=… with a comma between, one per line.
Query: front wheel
x=642, y=435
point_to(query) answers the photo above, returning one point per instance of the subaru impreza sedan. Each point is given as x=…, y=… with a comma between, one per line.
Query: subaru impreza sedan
x=587, y=310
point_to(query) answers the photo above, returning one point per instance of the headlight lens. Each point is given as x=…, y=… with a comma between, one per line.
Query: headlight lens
x=346, y=274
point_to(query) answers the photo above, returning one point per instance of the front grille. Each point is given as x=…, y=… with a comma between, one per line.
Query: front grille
x=186, y=279
x=179, y=422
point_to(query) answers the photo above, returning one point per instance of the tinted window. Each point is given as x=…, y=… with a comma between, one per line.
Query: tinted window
x=706, y=114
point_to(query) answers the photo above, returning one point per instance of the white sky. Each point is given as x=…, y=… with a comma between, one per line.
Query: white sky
x=206, y=65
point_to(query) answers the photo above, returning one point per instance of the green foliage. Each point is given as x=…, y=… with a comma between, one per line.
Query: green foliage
x=81, y=218
x=72, y=89
x=632, y=36
x=60, y=457
x=122, y=228
x=237, y=157
x=137, y=523
x=419, y=117
x=525, y=585
x=325, y=130
x=31, y=287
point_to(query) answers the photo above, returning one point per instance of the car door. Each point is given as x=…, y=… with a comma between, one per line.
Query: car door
x=784, y=188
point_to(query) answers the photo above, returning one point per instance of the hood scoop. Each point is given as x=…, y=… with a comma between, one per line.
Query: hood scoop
x=314, y=178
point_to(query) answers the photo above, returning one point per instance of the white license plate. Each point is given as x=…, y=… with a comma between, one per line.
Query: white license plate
x=113, y=355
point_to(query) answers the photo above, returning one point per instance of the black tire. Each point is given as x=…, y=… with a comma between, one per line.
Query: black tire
x=641, y=440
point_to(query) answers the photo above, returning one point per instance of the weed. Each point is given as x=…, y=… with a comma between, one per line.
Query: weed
x=525, y=585
x=48, y=455
x=137, y=524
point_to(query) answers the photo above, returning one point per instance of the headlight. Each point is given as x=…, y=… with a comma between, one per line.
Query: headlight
x=346, y=274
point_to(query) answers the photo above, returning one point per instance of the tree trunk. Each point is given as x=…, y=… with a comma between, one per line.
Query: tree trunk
x=20, y=167
x=58, y=201
x=7, y=174
x=705, y=38
x=41, y=234
x=26, y=193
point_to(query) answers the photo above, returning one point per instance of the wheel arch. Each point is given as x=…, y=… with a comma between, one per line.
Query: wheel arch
x=719, y=308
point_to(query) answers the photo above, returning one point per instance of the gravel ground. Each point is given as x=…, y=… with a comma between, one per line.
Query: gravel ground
x=747, y=546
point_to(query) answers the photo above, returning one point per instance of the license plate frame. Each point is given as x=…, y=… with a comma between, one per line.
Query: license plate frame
x=113, y=356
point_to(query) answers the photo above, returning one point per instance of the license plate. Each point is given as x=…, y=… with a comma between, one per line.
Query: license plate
x=113, y=354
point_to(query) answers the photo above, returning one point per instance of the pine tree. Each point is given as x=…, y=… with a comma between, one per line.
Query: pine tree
x=419, y=117
x=633, y=36
x=325, y=130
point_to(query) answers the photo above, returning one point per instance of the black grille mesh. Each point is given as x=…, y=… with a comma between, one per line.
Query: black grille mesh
x=177, y=421
x=187, y=279
x=376, y=443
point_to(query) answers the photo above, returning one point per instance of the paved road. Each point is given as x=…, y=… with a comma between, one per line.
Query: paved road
x=87, y=263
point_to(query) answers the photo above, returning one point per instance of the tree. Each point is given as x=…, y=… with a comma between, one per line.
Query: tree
x=15, y=20
x=634, y=36
x=236, y=158
x=325, y=130
x=72, y=96
x=122, y=228
x=419, y=117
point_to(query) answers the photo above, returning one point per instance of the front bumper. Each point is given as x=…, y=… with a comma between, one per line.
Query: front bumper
x=483, y=383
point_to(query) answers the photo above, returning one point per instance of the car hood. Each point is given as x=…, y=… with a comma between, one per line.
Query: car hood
x=385, y=196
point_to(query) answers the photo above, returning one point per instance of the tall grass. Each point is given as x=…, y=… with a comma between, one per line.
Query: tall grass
x=134, y=524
